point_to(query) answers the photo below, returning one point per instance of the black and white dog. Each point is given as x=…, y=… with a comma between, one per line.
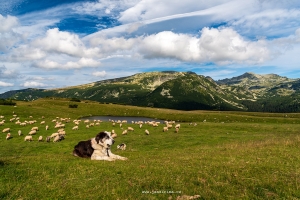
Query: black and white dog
x=97, y=148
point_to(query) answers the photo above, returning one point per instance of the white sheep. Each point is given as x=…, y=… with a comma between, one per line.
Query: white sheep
x=130, y=128
x=40, y=139
x=165, y=129
x=56, y=139
x=19, y=132
x=177, y=126
x=176, y=130
x=121, y=146
x=6, y=130
x=35, y=128
x=147, y=132
x=32, y=132
x=47, y=127
x=8, y=136
x=54, y=135
x=75, y=128
x=28, y=138
x=124, y=132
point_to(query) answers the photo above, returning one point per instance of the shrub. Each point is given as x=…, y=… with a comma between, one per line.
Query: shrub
x=7, y=102
x=73, y=106
x=75, y=99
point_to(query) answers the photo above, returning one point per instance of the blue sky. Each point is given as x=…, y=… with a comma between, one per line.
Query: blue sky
x=59, y=43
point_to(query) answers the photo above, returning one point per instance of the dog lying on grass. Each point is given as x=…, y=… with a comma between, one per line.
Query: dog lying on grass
x=97, y=148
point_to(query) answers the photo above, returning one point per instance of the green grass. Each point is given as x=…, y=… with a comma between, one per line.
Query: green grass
x=233, y=155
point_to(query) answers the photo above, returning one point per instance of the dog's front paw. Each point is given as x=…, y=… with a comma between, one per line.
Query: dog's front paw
x=111, y=159
x=123, y=158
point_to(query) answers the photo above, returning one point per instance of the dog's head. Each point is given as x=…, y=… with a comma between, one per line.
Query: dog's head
x=104, y=139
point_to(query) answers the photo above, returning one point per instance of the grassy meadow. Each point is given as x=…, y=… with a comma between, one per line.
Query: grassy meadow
x=225, y=155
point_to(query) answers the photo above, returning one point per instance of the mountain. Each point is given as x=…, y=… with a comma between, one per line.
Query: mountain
x=183, y=91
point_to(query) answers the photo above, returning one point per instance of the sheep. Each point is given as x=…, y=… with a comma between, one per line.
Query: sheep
x=122, y=146
x=23, y=124
x=32, y=132
x=56, y=139
x=147, y=132
x=35, y=128
x=8, y=136
x=87, y=126
x=176, y=130
x=42, y=122
x=47, y=127
x=28, y=138
x=165, y=129
x=40, y=139
x=114, y=135
x=54, y=135
x=169, y=125
x=130, y=128
x=124, y=132
x=19, y=132
x=1, y=123
x=75, y=128
x=48, y=138
x=177, y=126
x=141, y=125
x=60, y=130
x=6, y=130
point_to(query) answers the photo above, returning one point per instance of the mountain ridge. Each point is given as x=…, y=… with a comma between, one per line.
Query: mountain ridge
x=183, y=91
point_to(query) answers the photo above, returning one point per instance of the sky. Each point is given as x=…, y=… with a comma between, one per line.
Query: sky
x=59, y=43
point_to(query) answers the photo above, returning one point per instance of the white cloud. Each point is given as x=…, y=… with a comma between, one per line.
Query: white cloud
x=8, y=74
x=61, y=42
x=33, y=84
x=150, y=9
x=81, y=63
x=101, y=7
x=99, y=73
x=8, y=37
x=222, y=46
x=4, y=84
x=8, y=23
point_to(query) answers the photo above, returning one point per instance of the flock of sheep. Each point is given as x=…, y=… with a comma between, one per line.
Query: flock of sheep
x=57, y=136
x=58, y=124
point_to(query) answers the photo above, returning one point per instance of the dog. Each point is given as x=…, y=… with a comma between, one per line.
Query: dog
x=97, y=148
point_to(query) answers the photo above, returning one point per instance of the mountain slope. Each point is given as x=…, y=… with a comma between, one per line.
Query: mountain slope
x=184, y=91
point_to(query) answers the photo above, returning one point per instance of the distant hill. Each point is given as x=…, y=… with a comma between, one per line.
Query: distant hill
x=183, y=91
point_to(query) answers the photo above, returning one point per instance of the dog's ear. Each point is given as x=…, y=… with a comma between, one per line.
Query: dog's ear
x=100, y=136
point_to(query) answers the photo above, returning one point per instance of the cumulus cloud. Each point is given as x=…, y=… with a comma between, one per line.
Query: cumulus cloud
x=61, y=42
x=8, y=36
x=99, y=74
x=33, y=84
x=5, y=84
x=222, y=46
x=8, y=23
x=81, y=63
x=8, y=74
